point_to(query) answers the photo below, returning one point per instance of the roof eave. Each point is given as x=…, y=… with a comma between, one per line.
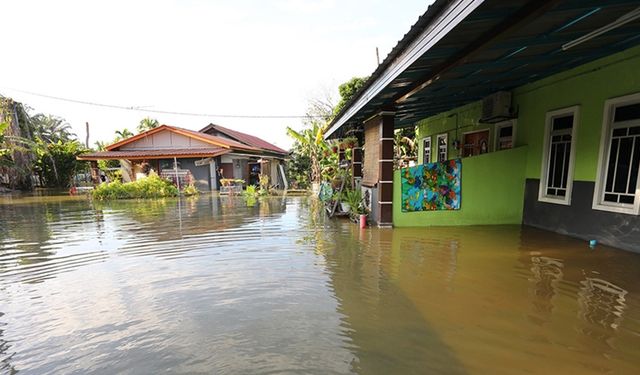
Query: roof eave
x=441, y=17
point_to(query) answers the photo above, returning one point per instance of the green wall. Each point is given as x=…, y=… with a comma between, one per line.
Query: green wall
x=492, y=193
x=467, y=117
x=587, y=86
x=493, y=184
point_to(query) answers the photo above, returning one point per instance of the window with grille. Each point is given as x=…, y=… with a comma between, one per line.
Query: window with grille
x=426, y=150
x=442, y=147
x=557, y=168
x=620, y=156
x=505, y=135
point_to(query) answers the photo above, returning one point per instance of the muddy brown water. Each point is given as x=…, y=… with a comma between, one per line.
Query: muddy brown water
x=211, y=285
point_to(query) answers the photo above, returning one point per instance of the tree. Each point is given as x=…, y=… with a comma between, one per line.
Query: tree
x=122, y=134
x=310, y=148
x=311, y=144
x=5, y=158
x=147, y=123
x=57, y=161
x=51, y=129
x=347, y=91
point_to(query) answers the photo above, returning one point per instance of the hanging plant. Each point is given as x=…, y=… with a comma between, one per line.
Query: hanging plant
x=350, y=142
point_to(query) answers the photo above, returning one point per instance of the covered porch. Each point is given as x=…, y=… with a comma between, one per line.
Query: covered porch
x=477, y=80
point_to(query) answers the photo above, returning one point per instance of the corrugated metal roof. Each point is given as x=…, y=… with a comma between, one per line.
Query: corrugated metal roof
x=498, y=46
x=156, y=154
x=248, y=139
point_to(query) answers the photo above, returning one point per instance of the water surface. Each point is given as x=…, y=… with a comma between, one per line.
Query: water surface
x=211, y=285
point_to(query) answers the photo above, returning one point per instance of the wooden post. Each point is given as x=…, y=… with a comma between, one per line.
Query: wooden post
x=95, y=172
x=86, y=143
x=175, y=169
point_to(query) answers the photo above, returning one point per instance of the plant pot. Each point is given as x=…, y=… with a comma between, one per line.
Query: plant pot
x=345, y=207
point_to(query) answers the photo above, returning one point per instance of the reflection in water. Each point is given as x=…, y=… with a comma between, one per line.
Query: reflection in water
x=546, y=275
x=216, y=285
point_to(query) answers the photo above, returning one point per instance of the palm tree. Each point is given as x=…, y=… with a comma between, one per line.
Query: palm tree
x=51, y=129
x=147, y=123
x=122, y=134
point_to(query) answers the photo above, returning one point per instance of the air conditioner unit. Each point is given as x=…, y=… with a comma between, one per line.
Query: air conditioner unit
x=497, y=108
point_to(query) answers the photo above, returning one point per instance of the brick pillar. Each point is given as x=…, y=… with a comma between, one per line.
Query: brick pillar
x=385, y=169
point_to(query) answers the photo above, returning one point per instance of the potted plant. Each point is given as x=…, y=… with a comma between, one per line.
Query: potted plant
x=352, y=199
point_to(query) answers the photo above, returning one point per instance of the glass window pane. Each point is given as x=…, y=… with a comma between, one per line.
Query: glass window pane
x=506, y=131
x=622, y=168
x=627, y=199
x=565, y=167
x=634, y=131
x=550, y=171
x=611, y=198
x=635, y=164
x=564, y=122
x=611, y=169
x=558, y=168
x=620, y=132
x=627, y=112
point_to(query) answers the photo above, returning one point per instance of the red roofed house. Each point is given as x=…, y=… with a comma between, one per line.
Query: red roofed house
x=198, y=155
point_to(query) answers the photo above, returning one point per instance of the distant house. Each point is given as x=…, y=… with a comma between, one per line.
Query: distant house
x=201, y=158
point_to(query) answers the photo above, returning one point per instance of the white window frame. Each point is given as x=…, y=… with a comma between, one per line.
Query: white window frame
x=496, y=137
x=424, y=148
x=603, y=160
x=446, y=143
x=542, y=191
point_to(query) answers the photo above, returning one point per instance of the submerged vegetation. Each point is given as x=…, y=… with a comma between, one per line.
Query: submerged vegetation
x=150, y=187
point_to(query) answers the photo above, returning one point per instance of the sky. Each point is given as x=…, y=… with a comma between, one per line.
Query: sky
x=258, y=58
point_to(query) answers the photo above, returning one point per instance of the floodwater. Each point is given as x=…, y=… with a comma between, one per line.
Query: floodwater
x=213, y=286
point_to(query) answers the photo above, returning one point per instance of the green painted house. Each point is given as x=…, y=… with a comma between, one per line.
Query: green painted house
x=540, y=100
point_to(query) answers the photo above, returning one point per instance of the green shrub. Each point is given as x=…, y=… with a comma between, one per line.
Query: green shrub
x=150, y=187
x=250, y=192
x=190, y=190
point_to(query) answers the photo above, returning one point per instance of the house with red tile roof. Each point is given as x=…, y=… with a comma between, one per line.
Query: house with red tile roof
x=199, y=157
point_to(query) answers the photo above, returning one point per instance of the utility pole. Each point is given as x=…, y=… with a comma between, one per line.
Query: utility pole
x=87, y=140
x=377, y=56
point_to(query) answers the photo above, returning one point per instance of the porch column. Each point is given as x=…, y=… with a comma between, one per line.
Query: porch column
x=356, y=165
x=340, y=154
x=380, y=128
x=213, y=175
x=95, y=172
x=385, y=169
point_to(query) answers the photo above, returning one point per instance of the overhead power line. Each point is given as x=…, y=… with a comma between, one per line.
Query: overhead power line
x=141, y=109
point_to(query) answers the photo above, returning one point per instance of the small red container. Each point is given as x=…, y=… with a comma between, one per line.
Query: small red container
x=363, y=221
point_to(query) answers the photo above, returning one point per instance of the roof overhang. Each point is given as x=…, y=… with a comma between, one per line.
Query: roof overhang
x=463, y=50
x=154, y=154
